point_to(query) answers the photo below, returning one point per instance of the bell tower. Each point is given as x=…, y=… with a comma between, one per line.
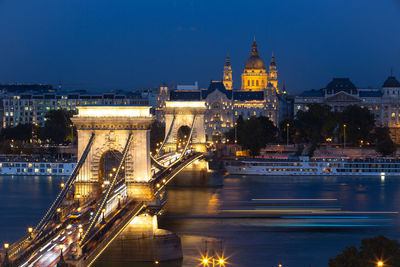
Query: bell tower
x=273, y=74
x=227, y=79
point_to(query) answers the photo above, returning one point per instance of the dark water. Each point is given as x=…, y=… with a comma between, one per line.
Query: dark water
x=292, y=240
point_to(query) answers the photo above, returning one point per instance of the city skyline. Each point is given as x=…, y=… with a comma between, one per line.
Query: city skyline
x=140, y=45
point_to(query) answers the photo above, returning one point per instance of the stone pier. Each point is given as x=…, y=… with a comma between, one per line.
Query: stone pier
x=142, y=241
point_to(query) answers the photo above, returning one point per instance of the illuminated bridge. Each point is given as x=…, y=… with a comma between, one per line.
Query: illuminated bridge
x=115, y=181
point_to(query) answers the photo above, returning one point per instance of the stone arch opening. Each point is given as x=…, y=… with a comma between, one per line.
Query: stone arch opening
x=108, y=165
x=182, y=137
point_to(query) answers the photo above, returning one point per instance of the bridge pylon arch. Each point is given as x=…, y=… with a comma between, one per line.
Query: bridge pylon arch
x=112, y=126
x=185, y=113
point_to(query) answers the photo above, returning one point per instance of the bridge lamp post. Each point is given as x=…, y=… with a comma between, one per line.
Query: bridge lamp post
x=30, y=231
x=61, y=254
x=119, y=202
x=62, y=185
x=103, y=221
x=379, y=263
x=6, y=260
x=344, y=135
x=80, y=233
x=220, y=261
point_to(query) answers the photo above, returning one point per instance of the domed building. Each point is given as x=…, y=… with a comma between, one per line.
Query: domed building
x=254, y=76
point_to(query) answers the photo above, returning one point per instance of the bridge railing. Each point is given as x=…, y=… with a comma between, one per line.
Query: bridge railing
x=109, y=237
x=161, y=180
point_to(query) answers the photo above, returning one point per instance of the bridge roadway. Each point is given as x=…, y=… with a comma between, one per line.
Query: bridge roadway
x=48, y=252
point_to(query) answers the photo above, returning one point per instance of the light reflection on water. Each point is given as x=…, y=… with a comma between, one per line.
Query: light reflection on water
x=295, y=241
x=193, y=213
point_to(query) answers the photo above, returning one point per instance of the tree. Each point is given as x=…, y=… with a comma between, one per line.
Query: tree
x=359, y=124
x=383, y=143
x=371, y=251
x=315, y=124
x=255, y=133
x=57, y=128
x=21, y=132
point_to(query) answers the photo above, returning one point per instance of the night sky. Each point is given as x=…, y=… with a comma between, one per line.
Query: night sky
x=99, y=44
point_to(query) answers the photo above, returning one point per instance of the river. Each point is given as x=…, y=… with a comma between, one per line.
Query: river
x=259, y=221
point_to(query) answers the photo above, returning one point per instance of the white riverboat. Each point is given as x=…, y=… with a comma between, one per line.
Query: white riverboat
x=315, y=166
x=29, y=166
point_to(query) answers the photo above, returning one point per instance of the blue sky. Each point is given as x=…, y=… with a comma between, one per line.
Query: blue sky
x=131, y=44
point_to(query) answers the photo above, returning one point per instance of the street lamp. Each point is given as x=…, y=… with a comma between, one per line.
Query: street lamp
x=72, y=134
x=344, y=135
x=379, y=263
x=287, y=134
x=235, y=132
x=78, y=196
x=213, y=261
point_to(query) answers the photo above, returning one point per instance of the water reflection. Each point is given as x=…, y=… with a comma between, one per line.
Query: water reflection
x=197, y=214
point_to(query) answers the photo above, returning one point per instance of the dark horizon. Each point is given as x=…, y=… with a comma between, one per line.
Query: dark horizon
x=101, y=45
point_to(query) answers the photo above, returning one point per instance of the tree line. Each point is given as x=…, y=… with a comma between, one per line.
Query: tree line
x=29, y=138
x=354, y=126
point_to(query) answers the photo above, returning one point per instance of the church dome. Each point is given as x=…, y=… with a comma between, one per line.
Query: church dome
x=254, y=61
x=391, y=82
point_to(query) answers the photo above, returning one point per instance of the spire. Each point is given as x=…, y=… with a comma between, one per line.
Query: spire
x=254, y=49
x=272, y=64
x=227, y=62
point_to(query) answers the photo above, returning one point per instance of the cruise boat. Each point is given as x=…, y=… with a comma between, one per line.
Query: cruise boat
x=315, y=166
x=35, y=166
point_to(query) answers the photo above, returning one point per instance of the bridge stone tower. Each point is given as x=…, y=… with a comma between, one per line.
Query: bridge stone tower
x=185, y=113
x=111, y=126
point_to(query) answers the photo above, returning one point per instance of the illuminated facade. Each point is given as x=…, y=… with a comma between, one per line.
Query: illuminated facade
x=255, y=76
x=227, y=76
x=259, y=96
x=31, y=107
x=225, y=106
x=383, y=102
